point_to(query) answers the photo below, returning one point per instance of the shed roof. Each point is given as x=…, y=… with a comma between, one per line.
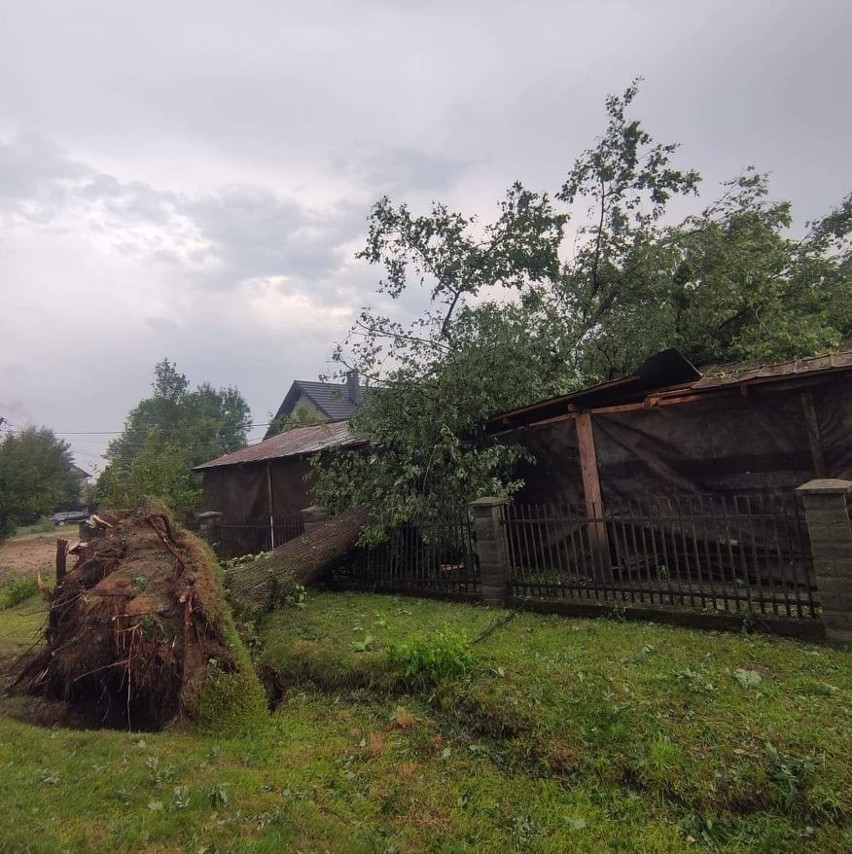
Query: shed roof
x=668, y=377
x=294, y=443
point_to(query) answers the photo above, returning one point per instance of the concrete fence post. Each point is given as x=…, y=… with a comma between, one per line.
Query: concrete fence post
x=208, y=526
x=492, y=548
x=313, y=517
x=830, y=531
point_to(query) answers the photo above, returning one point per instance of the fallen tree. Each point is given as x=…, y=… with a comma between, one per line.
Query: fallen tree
x=139, y=633
x=260, y=585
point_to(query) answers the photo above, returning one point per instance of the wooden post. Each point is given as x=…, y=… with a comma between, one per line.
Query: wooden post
x=814, y=436
x=269, y=495
x=592, y=491
x=61, y=558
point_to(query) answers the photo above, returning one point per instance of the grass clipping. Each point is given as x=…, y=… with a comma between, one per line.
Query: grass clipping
x=139, y=634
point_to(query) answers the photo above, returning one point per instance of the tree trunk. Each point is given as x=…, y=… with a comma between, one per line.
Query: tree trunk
x=265, y=582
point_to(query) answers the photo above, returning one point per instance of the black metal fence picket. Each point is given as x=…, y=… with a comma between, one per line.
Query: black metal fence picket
x=697, y=552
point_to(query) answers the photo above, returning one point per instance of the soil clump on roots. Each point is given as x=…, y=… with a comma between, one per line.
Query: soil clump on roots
x=139, y=634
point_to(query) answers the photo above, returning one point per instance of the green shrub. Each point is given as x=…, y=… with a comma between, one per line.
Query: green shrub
x=16, y=592
x=445, y=654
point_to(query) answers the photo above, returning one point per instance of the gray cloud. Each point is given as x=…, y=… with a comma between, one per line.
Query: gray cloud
x=400, y=169
x=163, y=323
x=190, y=179
x=35, y=176
x=222, y=238
x=253, y=233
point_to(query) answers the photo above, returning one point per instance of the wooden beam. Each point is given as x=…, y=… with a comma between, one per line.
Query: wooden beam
x=592, y=491
x=269, y=495
x=61, y=558
x=814, y=435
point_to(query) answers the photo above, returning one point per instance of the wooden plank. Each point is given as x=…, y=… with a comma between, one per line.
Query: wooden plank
x=814, y=435
x=61, y=559
x=592, y=490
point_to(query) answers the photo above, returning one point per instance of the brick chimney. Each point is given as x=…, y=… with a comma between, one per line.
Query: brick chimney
x=353, y=387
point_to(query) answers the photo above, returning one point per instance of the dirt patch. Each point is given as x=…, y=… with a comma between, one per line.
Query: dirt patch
x=31, y=553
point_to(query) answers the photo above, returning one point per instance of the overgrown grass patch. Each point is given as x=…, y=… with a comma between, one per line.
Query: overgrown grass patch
x=16, y=591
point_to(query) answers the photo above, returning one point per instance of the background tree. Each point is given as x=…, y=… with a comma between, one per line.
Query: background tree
x=36, y=477
x=523, y=307
x=167, y=434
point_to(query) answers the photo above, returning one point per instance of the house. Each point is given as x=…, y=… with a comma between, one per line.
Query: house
x=311, y=402
x=672, y=429
x=271, y=478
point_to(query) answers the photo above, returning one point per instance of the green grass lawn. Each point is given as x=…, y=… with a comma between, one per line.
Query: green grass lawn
x=560, y=735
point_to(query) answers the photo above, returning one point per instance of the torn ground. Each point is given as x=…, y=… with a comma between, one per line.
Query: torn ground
x=139, y=634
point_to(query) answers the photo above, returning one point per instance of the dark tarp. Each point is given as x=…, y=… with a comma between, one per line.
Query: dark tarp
x=700, y=455
x=721, y=445
x=241, y=491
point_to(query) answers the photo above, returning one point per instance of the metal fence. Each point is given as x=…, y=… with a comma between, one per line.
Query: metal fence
x=234, y=537
x=703, y=553
x=428, y=558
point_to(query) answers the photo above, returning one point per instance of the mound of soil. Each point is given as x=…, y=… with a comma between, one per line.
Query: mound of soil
x=138, y=633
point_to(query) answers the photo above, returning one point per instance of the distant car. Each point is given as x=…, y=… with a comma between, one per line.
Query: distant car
x=66, y=517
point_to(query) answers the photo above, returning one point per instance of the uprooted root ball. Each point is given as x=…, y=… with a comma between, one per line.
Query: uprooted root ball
x=139, y=634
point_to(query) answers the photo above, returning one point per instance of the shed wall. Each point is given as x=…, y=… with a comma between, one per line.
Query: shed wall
x=241, y=491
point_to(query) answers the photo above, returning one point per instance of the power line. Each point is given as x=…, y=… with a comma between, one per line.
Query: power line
x=164, y=429
x=253, y=426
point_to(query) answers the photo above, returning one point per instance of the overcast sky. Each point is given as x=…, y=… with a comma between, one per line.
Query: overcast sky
x=191, y=179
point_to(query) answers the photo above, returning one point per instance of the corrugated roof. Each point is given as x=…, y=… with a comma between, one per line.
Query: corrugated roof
x=293, y=443
x=736, y=373
x=642, y=386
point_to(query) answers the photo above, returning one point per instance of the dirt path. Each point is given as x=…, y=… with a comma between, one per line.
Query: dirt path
x=22, y=556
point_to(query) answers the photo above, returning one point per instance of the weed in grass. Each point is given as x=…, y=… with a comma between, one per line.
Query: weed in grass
x=157, y=775
x=180, y=798
x=747, y=678
x=363, y=645
x=447, y=654
x=218, y=795
x=790, y=777
x=298, y=598
x=693, y=681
